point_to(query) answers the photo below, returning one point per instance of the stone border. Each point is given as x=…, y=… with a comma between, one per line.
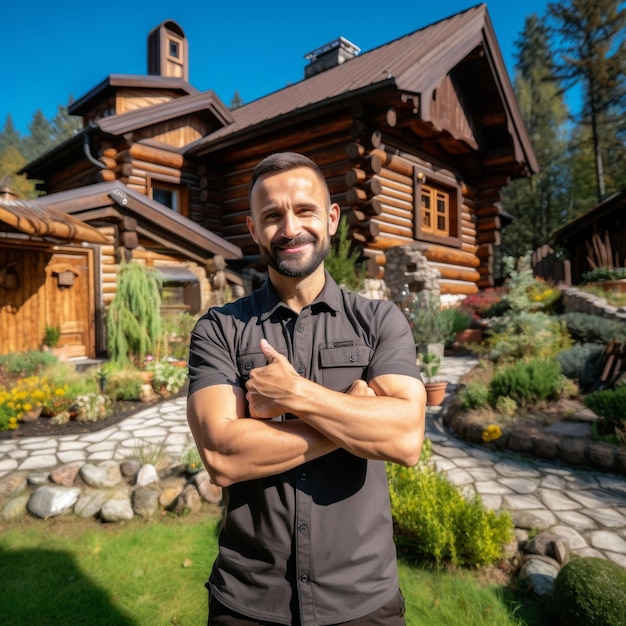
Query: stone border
x=533, y=441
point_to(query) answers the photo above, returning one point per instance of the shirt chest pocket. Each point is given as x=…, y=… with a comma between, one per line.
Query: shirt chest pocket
x=247, y=362
x=341, y=366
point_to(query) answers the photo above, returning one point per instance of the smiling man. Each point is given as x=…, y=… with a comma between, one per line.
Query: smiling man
x=298, y=394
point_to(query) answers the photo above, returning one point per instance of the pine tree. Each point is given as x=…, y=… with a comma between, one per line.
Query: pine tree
x=40, y=139
x=590, y=41
x=539, y=205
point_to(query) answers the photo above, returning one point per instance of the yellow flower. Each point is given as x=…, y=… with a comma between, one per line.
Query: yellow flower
x=491, y=433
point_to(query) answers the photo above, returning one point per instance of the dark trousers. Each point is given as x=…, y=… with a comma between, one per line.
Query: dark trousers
x=392, y=614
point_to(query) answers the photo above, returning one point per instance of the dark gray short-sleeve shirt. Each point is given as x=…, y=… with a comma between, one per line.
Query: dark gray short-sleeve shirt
x=315, y=542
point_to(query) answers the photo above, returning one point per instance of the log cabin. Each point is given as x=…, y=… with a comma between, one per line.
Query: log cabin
x=417, y=138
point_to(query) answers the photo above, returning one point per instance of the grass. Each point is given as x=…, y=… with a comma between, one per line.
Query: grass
x=152, y=572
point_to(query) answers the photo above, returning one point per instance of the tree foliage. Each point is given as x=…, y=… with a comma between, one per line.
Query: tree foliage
x=134, y=320
x=590, y=47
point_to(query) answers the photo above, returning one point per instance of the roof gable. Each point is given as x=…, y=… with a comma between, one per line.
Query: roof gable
x=98, y=204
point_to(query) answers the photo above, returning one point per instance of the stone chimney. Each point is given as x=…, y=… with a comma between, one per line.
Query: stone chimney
x=332, y=54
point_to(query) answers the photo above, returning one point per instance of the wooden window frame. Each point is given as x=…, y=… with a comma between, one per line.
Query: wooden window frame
x=181, y=192
x=451, y=236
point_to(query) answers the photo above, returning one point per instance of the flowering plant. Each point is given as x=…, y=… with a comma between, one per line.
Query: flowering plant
x=491, y=433
x=167, y=376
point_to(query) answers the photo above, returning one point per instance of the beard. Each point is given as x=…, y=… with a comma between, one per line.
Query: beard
x=296, y=266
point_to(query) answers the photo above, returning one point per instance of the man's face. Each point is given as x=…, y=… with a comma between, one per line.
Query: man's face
x=291, y=221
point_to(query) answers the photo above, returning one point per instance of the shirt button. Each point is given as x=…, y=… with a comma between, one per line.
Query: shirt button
x=300, y=328
x=303, y=528
x=303, y=477
x=304, y=578
x=352, y=358
x=300, y=369
x=248, y=365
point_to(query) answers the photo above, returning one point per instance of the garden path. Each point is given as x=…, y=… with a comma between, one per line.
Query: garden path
x=585, y=507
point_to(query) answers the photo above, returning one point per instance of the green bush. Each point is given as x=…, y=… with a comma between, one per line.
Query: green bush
x=591, y=592
x=582, y=363
x=610, y=405
x=506, y=406
x=524, y=335
x=435, y=521
x=123, y=384
x=587, y=328
x=601, y=274
x=527, y=382
x=342, y=260
x=474, y=396
x=167, y=376
x=26, y=363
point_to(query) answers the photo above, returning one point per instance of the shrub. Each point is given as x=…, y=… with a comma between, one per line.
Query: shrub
x=609, y=405
x=587, y=328
x=506, y=406
x=166, y=376
x=123, y=384
x=527, y=382
x=590, y=591
x=133, y=320
x=342, y=261
x=602, y=274
x=429, y=322
x=436, y=521
x=525, y=335
x=190, y=459
x=582, y=362
x=90, y=407
x=485, y=303
x=26, y=364
x=474, y=396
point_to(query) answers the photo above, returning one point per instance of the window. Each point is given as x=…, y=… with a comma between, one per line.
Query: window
x=167, y=197
x=435, y=207
x=174, y=49
x=437, y=210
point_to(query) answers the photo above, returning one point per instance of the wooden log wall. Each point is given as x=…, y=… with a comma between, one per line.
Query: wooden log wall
x=382, y=214
x=325, y=144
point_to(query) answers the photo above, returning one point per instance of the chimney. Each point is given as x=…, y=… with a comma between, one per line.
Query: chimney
x=168, y=51
x=332, y=54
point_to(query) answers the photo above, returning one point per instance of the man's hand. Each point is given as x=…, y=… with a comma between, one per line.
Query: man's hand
x=268, y=385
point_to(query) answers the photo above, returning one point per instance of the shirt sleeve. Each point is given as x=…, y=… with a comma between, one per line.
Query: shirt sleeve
x=394, y=351
x=211, y=358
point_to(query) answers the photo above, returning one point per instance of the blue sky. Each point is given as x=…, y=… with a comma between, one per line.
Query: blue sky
x=57, y=50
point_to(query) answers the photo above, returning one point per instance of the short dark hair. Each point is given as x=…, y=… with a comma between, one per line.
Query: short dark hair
x=283, y=161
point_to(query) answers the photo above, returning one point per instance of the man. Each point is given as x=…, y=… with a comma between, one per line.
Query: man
x=329, y=384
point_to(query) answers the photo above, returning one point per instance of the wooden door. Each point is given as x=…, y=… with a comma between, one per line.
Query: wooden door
x=69, y=302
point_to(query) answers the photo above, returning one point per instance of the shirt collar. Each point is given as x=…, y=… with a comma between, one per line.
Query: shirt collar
x=329, y=298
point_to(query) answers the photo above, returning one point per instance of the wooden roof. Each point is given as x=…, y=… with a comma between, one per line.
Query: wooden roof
x=38, y=220
x=113, y=82
x=107, y=202
x=415, y=64
x=205, y=102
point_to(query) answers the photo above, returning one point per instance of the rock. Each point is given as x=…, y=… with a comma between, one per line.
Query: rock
x=145, y=501
x=103, y=476
x=129, y=470
x=539, y=574
x=601, y=455
x=65, y=474
x=15, y=508
x=38, y=478
x=550, y=545
x=116, y=510
x=13, y=484
x=572, y=451
x=148, y=394
x=188, y=500
x=147, y=475
x=208, y=491
x=533, y=520
x=51, y=500
x=90, y=503
x=168, y=496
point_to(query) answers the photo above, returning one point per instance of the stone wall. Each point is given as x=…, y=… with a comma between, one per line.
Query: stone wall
x=575, y=300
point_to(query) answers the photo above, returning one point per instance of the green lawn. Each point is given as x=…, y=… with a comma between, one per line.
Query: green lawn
x=145, y=573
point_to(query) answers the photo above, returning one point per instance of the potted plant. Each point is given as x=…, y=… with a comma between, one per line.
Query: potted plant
x=435, y=390
x=431, y=325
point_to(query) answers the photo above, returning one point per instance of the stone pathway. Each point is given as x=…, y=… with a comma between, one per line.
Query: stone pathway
x=586, y=508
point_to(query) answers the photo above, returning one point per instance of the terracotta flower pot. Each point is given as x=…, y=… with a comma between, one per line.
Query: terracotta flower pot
x=435, y=392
